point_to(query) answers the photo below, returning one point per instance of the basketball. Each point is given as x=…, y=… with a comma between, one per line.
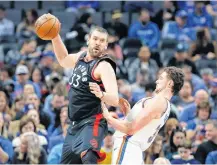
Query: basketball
x=47, y=27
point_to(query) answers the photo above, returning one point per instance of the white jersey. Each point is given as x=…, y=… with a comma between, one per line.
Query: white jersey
x=144, y=137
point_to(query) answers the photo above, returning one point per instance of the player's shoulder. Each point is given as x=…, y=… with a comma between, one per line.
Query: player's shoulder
x=106, y=62
x=159, y=101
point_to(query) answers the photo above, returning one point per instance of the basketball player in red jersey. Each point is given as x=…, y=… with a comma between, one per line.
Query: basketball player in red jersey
x=93, y=80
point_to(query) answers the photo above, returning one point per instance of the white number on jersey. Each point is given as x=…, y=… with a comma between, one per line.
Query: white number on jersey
x=77, y=78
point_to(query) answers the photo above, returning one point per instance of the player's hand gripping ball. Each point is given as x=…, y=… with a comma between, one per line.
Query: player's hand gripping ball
x=47, y=27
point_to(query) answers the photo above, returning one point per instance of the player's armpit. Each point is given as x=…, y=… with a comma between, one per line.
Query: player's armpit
x=152, y=110
x=106, y=73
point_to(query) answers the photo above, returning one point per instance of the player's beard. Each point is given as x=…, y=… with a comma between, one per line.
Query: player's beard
x=95, y=53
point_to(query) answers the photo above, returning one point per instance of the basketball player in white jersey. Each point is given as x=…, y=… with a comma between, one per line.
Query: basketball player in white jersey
x=142, y=123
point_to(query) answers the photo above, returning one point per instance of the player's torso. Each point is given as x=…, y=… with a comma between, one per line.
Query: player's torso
x=144, y=137
x=82, y=103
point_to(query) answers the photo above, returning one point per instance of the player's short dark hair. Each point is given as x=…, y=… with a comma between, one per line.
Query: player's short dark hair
x=177, y=76
x=99, y=29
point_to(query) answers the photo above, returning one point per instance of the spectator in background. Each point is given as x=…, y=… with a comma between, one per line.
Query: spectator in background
x=27, y=90
x=58, y=101
x=26, y=53
x=82, y=6
x=143, y=62
x=211, y=158
x=26, y=29
x=184, y=155
x=161, y=161
x=145, y=30
x=114, y=49
x=195, y=80
x=37, y=77
x=34, y=115
x=82, y=27
x=6, y=149
x=108, y=147
x=60, y=128
x=17, y=107
x=181, y=58
x=212, y=10
x=120, y=28
x=135, y=6
x=6, y=74
x=179, y=29
x=203, y=48
x=154, y=151
x=22, y=78
x=44, y=117
x=167, y=13
x=46, y=63
x=27, y=124
x=207, y=75
x=4, y=107
x=188, y=6
x=211, y=145
x=189, y=112
x=6, y=25
x=213, y=92
x=200, y=18
x=170, y=125
x=29, y=152
x=177, y=138
x=31, y=112
x=197, y=125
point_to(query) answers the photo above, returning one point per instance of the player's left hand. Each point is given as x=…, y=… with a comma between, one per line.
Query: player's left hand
x=95, y=89
x=105, y=111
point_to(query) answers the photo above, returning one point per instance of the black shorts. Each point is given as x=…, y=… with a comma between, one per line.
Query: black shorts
x=84, y=135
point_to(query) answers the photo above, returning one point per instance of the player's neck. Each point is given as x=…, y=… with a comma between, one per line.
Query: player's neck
x=88, y=57
x=166, y=94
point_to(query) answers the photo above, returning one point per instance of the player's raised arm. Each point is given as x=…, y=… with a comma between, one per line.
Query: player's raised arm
x=64, y=59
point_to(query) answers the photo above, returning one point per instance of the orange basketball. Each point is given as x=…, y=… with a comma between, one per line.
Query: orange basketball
x=47, y=27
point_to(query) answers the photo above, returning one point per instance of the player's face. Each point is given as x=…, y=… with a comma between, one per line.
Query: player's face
x=97, y=43
x=162, y=82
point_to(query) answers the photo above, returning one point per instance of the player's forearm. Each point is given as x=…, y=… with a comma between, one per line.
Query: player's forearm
x=4, y=156
x=59, y=49
x=120, y=125
x=110, y=99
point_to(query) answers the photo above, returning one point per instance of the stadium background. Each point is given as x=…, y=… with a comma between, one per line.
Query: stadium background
x=144, y=36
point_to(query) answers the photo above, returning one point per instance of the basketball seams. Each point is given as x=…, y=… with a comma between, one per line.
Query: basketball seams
x=50, y=28
x=43, y=24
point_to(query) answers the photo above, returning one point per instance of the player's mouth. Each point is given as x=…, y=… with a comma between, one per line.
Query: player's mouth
x=96, y=49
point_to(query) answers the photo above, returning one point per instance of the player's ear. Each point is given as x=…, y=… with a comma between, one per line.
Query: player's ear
x=171, y=83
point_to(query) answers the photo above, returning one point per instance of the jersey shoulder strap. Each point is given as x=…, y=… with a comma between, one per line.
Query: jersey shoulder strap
x=108, y=59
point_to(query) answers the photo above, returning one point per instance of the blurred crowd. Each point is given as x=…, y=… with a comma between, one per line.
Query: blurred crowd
x=34, y=87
